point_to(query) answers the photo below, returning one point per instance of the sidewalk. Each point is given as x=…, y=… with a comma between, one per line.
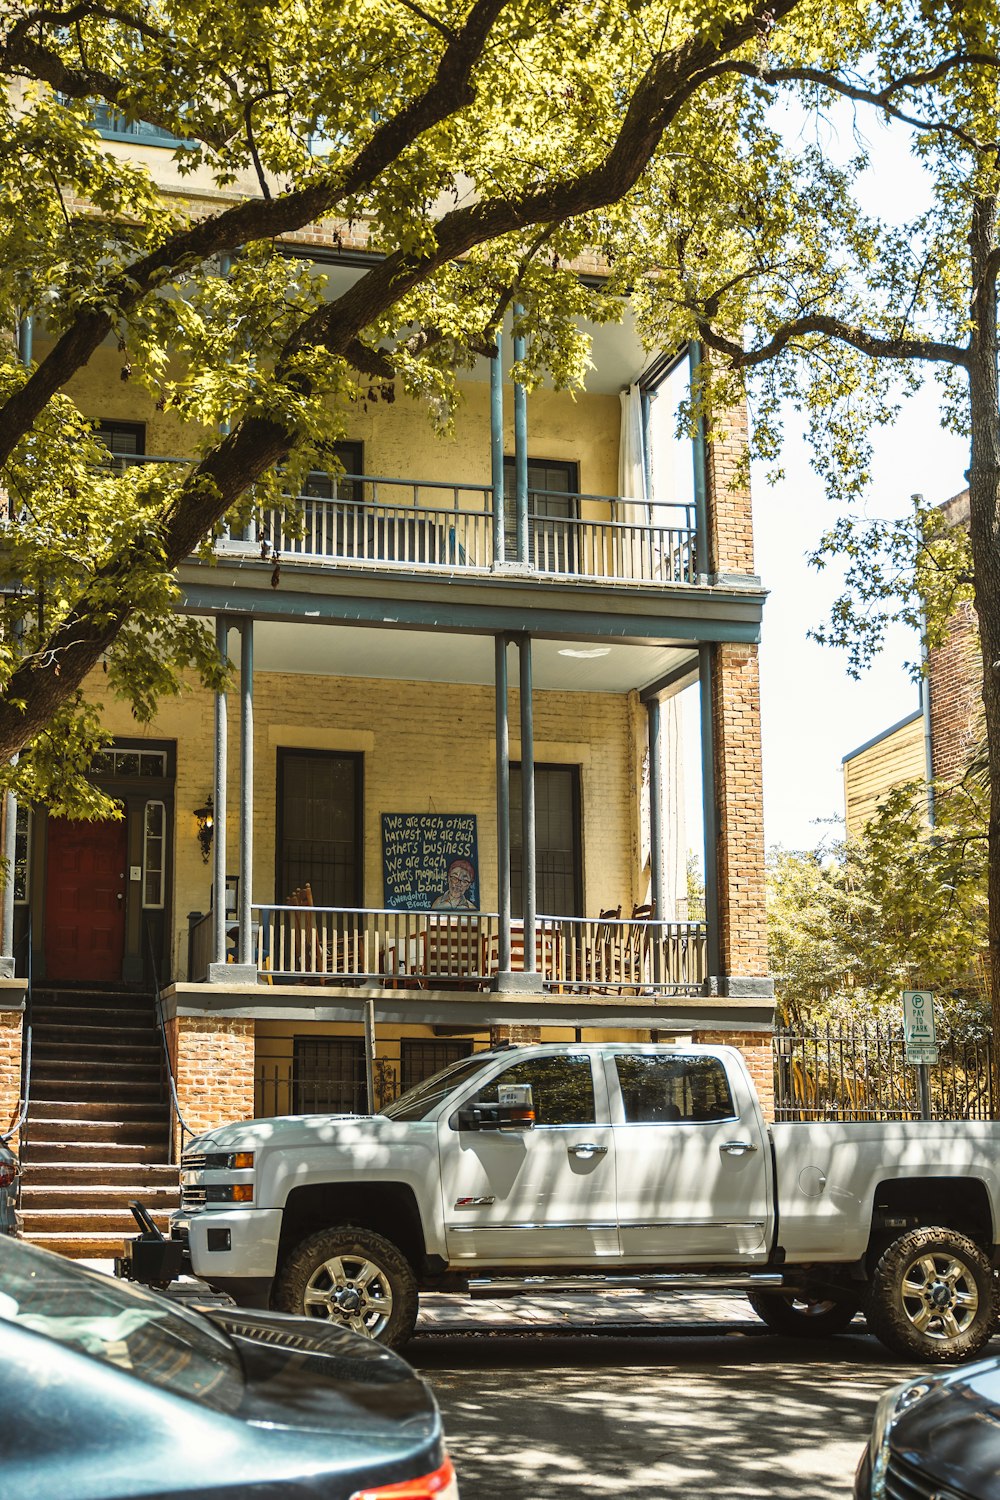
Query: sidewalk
x=454, y=1312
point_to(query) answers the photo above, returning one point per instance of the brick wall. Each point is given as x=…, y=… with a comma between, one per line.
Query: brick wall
x=757, y=1053
x=955, y=673
x=739, y=797
x=10, y=1069
x=728, y=495
x=213, y=1060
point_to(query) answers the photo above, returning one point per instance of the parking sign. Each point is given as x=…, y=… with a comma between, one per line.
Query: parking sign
x=918, y=1026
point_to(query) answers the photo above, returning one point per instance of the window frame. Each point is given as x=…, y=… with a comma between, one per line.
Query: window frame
x=348, y=1047
x=288, y=752
x=517, y=906
x=148, y=905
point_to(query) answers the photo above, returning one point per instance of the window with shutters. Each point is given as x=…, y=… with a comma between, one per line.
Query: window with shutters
x=558, y=864
x=319, y=826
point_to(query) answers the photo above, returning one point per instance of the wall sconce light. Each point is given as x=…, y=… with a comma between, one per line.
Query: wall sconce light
x=205, y=818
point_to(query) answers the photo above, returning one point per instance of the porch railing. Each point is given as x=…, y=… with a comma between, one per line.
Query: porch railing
x=367, y=520
x=428, y=950
x=860, y=1073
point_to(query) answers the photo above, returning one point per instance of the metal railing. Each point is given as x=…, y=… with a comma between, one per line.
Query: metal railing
x=427, y=950
x=860, y=1073
x=20, y=1123
x=369, y=520
x=167, y=1061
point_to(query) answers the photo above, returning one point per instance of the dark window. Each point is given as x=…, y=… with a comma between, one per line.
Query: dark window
x=562, y=1089
x=328, y=1076
x=125, y=441
x=342, y=486
x=659, y=1090
x=112, y=124
x=558, y=865
x=419, y=1060
x=22, y=855
x=553, y=488
x=319, y=827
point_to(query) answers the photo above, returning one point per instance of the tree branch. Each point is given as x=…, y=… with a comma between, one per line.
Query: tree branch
x=838, y=328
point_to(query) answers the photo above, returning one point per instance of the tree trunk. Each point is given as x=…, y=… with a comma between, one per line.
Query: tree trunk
x=984, y=508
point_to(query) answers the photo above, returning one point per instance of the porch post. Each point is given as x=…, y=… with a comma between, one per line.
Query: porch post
x=219, y=815
x=10, y=857
x=700, y=460
x=529, y=876
x=503, y=804
x=710, y=814
x=496, y=448
x=521, y=452
x=655, y=823
x=246, y=954
x=646, y=402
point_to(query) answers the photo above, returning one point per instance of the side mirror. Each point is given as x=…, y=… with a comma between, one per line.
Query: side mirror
x=516, y=1107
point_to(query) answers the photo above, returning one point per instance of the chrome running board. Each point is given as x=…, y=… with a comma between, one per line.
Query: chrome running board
x=679, y=1281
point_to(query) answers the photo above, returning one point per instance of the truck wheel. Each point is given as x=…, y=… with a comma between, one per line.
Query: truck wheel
x=352, y=1278
x=801, y=1319
x=933, y=1297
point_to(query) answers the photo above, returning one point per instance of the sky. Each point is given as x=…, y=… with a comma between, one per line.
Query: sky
x=812, y=712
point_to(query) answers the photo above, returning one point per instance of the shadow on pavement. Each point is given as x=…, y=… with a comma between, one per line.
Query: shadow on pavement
x=730, y=1417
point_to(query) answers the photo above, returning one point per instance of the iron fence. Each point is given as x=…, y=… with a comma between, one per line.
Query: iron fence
x=860, y=1072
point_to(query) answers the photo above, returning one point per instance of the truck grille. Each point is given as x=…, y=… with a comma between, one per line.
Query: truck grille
x=193, y=1197
x=905, y=1481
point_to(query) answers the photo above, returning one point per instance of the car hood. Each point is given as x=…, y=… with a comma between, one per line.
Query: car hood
x=314, y=1377
x=953, y=1434
x=292, y=1130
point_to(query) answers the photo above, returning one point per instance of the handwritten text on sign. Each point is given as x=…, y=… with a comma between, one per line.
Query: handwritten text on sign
x=430, y=861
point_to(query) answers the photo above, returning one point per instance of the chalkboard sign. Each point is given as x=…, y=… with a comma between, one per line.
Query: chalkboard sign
x=430, y=861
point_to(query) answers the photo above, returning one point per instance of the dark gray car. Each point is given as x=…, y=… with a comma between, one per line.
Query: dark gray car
x=113, y=1392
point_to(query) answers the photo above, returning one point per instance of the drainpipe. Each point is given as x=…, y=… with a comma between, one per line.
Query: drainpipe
x=496, y=449
x=925, y=705
x=503, y=803
x=700, y=460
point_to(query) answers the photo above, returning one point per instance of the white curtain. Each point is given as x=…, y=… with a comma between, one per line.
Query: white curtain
x=631, y=546
x=673, y=811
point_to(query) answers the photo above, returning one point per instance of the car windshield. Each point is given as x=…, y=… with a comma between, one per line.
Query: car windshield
x=417, y=1103
x=121, y=1324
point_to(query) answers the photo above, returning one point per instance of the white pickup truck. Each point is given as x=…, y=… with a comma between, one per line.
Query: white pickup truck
x=582, y=1167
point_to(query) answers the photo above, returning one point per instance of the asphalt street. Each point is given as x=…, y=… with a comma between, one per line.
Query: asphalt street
x=689, y=1409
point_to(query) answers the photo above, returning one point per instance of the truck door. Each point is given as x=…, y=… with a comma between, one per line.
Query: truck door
x=692, y=1165
x=544, y=1196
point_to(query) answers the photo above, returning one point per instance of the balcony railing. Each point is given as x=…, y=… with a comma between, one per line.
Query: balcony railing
x=428, y=950
x=360, y=520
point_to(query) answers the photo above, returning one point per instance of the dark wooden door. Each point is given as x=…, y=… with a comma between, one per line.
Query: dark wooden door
x=85, y=900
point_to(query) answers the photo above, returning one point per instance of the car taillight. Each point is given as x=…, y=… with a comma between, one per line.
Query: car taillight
x=8, y=1173
x=441, y=1485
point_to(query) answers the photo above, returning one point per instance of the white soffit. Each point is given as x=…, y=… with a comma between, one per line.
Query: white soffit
x=434, y=656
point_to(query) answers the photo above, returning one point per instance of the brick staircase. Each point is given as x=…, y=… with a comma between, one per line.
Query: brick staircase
x=98, y=1121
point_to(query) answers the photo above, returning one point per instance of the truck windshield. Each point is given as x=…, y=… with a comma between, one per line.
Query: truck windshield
x=119, y=1324
x=417, y=1103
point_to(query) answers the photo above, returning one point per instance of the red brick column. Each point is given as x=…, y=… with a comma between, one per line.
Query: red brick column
x=213, y=1061
x=521, y=1036
x=955, y=673
x=739, y=804
x=727, y=488
x=757, y=1053
x=10, y=1070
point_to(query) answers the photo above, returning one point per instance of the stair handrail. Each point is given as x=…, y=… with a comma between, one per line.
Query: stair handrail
x=185, y=1127
x=22, y=1115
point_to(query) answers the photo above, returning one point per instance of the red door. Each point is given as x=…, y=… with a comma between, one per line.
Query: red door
x=85, y=900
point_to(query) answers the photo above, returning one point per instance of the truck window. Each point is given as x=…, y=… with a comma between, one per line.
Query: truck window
x=563, y=1089
x=417, y=1103
x=665, y=1090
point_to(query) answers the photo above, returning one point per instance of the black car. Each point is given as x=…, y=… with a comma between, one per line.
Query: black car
x=936, y=1438
x=113, y=1392
x=9, y=1171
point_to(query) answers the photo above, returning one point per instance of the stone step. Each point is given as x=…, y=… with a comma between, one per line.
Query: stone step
x=63, y=1091
x=85, y=1061
x=42, y=1155
x=75, y=1222
x=114, y=1111
x=97, y=1246
x=68, y=1018
x=99, y=1173
x=96, y=1042
x=42, y=1132
x=90, y=1198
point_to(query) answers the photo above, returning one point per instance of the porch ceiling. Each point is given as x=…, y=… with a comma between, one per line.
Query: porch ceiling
x=438, y=656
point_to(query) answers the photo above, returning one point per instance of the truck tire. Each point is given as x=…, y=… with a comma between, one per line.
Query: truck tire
x=785, y=1313
x=933, y=1297
x=353, y=1278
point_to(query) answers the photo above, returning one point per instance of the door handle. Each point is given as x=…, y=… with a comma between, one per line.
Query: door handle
x=737, y=1148
x=586, y=1149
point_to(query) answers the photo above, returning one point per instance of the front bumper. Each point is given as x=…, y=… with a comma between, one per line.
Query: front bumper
x=229, y=1244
